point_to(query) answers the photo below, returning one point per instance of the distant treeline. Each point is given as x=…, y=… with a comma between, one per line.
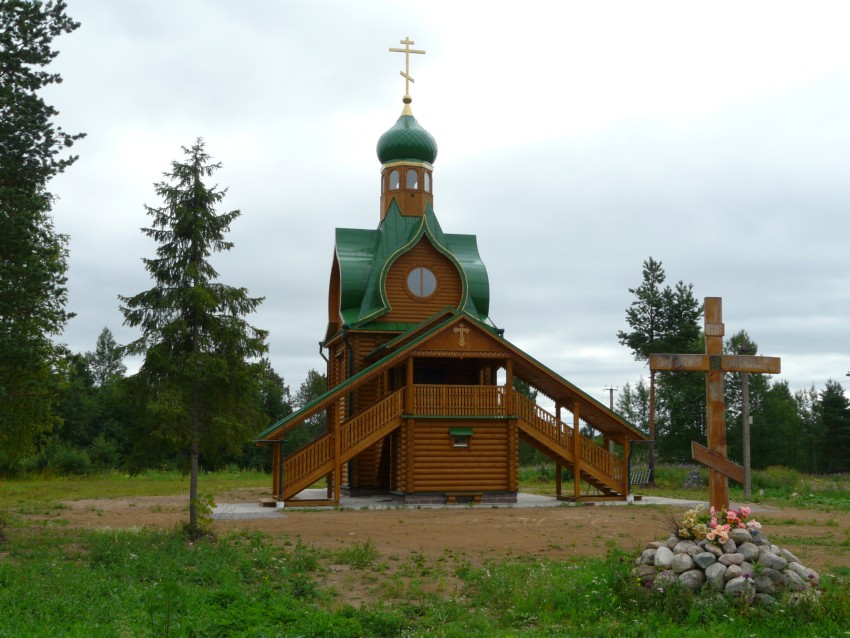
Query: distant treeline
x=99, y=424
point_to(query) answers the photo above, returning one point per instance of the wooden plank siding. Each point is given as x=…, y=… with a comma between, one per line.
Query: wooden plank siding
x=405, y=306
x=481, y=467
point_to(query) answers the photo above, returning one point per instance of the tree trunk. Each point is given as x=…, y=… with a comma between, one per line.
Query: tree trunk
x=194, y=528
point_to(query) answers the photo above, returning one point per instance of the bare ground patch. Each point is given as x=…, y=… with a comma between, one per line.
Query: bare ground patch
x=476, y=533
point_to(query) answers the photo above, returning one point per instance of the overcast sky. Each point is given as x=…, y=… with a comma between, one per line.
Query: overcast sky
x=576, y=139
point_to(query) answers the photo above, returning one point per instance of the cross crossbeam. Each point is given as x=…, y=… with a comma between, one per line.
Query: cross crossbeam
x=714, y=363
x=723, y=363
x=461, y=331
x=407, y=51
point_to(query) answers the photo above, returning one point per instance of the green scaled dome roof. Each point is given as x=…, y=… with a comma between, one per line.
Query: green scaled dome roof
x=407, y=140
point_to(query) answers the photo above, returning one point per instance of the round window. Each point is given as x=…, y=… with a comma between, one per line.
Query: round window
x=421, y=282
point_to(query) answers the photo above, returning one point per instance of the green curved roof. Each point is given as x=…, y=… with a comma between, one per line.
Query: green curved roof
x=365, y=258
x=407, y=140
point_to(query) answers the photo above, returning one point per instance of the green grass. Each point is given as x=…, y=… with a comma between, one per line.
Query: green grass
x=29, y=490
x=69, y=582
x=111, y=583
x=772, y=486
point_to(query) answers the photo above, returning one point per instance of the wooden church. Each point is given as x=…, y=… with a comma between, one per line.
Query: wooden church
x=415, y=408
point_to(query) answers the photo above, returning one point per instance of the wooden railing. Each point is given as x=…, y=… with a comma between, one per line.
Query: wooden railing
x=365, y=423
x=600, y=458
x=451, y=400
x=541, y=420
x=308, y=458
x=459, y=400
x=591, y=454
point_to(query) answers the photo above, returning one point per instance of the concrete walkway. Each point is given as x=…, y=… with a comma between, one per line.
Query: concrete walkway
x=246, y=511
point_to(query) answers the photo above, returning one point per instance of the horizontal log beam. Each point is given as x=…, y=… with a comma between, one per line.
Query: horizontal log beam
x=723, y=363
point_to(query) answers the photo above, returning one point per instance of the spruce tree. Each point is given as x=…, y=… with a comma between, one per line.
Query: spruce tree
x=33, y=257
x=106, y=363
x=197, y=382
x=665, y=319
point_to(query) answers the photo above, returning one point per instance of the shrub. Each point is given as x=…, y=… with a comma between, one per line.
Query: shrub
x=777, y=478
x=67, y=459
x=103, y=452
x=359, y=555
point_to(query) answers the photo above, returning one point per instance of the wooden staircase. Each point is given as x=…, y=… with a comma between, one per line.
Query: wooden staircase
x=316, y=459
x=543, y=430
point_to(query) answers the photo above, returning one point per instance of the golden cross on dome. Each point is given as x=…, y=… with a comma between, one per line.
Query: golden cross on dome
x=406, y=73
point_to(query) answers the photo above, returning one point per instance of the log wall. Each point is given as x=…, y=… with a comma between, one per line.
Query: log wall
x=440, y=467
x=407, y=307
x=366, y=465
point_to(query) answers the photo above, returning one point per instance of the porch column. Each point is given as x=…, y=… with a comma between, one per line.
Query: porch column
x=408, y=387
x=337, y=473
x=509, y=386
x=561, y=435
x=626, y=478
x=277, y=469
x=576, y=451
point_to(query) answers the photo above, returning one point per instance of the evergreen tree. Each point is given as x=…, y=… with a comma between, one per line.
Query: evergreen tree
x=315, y=385
x=34, y=257
x=664, y=319
x=833, y=411
x=777, y=428
x=106, y=363
x=812, y=433
x=758, y=384
x=76, y=404
x=275, y=400
x=275, y=396
x=197, y=383
x=661, y=319
x=645, y=315
x=633, y=404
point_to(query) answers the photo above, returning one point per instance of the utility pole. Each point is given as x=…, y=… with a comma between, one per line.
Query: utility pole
x=745, y=400
x=611, y=389
x=745, y=409
x=651, y=447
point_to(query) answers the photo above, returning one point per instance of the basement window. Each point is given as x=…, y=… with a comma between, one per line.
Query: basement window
x=460, y=437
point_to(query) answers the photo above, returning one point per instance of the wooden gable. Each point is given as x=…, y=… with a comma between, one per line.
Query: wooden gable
x=405, y=305
x=461, y=338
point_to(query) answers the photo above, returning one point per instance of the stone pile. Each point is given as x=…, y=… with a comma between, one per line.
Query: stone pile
x=694, y=479
x=746, y=566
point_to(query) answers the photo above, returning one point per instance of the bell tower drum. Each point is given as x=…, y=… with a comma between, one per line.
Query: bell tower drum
x=407, y=153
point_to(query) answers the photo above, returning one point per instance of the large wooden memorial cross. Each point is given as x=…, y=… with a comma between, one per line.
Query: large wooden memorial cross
x=715, y=363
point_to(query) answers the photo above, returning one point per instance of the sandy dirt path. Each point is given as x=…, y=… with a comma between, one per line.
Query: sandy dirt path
x=820, y=539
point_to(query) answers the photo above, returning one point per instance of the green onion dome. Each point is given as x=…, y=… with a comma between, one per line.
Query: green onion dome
x=407, y=141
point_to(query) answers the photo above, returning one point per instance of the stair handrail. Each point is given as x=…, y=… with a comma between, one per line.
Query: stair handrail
x=371, y=419
x=542, y=420
x=590, y=452
x=317, y=452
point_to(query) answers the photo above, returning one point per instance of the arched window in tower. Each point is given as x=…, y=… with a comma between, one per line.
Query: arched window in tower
x=421, y=282
x=427, y=182
x=412, y=178
x=394, y=180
